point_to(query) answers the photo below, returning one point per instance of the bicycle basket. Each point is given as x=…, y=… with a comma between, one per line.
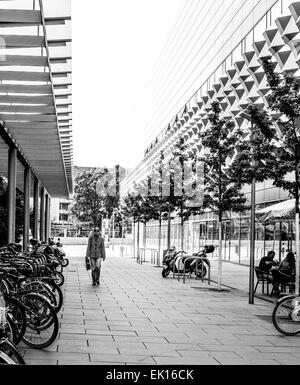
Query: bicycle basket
x=3, y=312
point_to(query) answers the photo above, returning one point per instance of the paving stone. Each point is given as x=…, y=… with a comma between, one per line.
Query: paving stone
x=110, y=332
x=43, y=362
x=185, y=361
x=122, y=358
x=99, y=348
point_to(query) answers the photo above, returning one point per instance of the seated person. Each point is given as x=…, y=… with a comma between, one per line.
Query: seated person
x=266, y=263
x=284, y=273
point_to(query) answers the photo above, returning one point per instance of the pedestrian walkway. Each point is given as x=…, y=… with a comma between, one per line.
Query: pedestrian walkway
x=137, y=317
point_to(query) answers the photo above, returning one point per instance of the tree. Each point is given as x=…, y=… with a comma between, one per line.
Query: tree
x=222, y=190
x=283, y=118
x=179, y=197
x=255, y=158
x=88, y=206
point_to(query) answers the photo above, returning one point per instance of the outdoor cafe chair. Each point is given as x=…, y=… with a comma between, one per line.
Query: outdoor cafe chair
x=264, y=278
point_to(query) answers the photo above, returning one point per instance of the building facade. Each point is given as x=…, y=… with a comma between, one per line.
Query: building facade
x=220, y=61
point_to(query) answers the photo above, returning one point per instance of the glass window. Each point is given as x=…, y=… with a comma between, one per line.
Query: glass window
x=63, y=217
x=64, y=206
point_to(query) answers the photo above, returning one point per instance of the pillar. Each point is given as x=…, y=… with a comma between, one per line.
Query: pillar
x=47, y=217
x=26, y=215
x=36, y=209
x=11, y=201
x=42, y=215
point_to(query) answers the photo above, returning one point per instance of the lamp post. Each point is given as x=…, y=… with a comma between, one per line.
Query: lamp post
x=252, y=220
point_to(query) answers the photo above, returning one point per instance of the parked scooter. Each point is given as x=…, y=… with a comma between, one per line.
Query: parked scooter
x=175, y=260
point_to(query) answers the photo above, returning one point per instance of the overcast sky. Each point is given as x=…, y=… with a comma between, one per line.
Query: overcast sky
x=116, y=45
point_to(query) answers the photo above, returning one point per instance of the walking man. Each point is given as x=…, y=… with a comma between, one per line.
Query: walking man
x=95, y=252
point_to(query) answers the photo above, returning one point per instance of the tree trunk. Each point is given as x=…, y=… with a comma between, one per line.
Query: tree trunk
x=297, y=232
x=145, y=235
x=220, y=255
x=138, y=239
x=133, y=236
x=169, y=230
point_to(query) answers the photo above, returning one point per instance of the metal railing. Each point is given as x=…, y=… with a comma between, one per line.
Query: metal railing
x=184, y=273
x=141, y=257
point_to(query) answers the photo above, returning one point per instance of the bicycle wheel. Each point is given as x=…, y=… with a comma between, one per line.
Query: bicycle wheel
x=10, y=329
x=5, y=360
x=65, y=262
x=42, y=321
x=286, y=315
x=58, y=278
x=10, y=350
x=57, y=292
x=18, y=317
x=42, y=288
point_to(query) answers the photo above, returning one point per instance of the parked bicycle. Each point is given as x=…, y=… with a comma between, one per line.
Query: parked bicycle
x=31, y=294
x=9, y=353
x=286, y=315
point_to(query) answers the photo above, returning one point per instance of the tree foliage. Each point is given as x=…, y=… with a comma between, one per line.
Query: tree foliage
x=284, y=107
x=88, y=206
x=222, y=189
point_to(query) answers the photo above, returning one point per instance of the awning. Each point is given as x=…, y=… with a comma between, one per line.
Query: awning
x=35, y=88
x=282, y=210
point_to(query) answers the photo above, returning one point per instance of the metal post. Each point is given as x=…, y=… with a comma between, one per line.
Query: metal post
x=36, y=209
x=42, y=215
x=11, y=201
x=252, y=235
x=27, y=178
x=252, y=244
x=252, y=226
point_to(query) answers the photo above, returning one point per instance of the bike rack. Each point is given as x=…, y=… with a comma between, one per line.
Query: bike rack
x=179, y=260
x=184, y=268
x=142, y=256
x=197, y=258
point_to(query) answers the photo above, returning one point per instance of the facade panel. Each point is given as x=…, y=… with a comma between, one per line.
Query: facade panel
x=239, y=34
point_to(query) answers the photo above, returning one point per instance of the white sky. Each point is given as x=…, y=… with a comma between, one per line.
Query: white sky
x=116, y=45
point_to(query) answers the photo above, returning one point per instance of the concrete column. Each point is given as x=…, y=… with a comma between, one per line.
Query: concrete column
x=47, y=217
x=36, y=209
x=27, y=180
x=11, y=201
x=42, y=215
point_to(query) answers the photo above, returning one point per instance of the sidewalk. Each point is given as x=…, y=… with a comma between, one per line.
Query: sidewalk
x=137, y=317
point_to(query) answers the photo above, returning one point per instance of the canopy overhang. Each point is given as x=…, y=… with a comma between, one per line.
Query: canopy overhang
x=35, y=93
x=280, y=211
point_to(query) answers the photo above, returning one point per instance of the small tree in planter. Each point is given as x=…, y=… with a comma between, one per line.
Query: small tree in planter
x=222, y=190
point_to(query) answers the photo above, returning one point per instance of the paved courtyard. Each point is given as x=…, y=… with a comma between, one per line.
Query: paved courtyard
x=137, y=317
